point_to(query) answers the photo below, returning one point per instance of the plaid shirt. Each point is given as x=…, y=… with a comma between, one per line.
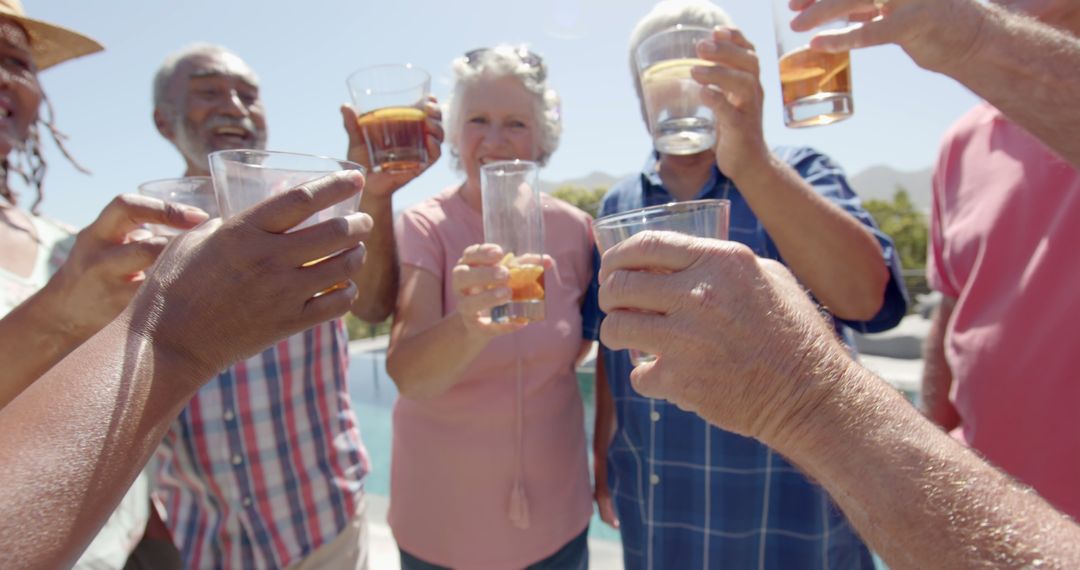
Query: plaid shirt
x=690, y=495
x=265, y=464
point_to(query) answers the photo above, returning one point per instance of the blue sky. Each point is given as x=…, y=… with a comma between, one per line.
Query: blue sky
x=303, y=51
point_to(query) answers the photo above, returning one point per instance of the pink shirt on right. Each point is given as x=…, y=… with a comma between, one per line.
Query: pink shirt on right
x=1004, y=237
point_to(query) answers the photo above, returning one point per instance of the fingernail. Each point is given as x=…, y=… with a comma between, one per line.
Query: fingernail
x=501, y=272
x=706, y=46
x=193, y=214
x=363, y=220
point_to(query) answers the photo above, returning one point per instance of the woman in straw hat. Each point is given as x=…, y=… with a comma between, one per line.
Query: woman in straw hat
x=57, y=288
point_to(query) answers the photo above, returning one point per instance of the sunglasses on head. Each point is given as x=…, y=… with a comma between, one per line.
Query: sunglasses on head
x=529, y=58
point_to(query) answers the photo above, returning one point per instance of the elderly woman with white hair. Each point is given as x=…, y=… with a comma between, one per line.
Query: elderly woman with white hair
x=489, y=464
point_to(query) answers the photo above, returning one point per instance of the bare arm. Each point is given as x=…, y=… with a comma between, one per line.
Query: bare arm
x=90, y=289
x=832, y=253
x=937, y=377
x=918, y=498
x=1024, y=68
x=755, y=357
x=604, y=428
x=72, y=443
x=378, y=279
x=430, y=351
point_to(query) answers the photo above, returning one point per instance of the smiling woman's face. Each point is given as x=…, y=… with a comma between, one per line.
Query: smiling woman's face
x=499, y=122
x=20, y=92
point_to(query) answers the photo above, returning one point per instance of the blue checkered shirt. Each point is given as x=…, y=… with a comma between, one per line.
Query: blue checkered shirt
x=689, y=495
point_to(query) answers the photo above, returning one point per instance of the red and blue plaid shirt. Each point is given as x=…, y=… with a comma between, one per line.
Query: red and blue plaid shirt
x=265, y=465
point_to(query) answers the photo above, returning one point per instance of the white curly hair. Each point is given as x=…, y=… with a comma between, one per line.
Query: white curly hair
x=500, y=61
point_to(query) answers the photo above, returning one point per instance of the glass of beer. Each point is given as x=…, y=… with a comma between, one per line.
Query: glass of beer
x=513, y=220
x=678, y=120
x=244, y=178
x=390, y=101
x=195, y=191
x=816, y=86
x=698, y=218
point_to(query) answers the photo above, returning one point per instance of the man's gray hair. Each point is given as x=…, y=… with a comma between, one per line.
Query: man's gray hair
x=167, y=71
x=668, y=14
x=504, y=61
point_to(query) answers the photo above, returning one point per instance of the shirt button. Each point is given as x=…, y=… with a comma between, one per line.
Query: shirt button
x=229, y=415
x=237, y=460
x=655, y=416
x=654, y=479
x=246, y=501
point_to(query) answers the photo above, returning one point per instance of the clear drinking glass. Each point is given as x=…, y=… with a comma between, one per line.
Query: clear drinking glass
x=195, y=191
x=390, y=100
x=679, y=121
x=244, y=178
x=513, y=220
x=698, y=218
x=816, y=86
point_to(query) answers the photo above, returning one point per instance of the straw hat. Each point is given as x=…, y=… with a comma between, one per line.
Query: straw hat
x=49, y=44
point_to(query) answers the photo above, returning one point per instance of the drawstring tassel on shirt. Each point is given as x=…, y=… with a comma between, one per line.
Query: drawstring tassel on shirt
x=519, y=507
x=519, y=502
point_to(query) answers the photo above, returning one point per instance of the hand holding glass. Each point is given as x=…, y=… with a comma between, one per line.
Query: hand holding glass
x=513, y=220
x=816, y=85
x=244, y=178
x=195, y=191
x=390, y=100
x=679, y=121
x=698, y=218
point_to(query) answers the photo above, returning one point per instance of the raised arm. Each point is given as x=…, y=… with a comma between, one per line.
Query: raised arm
x=378, y=279
x=740, y=345
x=1025, y=68
x=834, y=254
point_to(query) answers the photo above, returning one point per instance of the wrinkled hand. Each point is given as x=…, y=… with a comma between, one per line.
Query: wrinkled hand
x=939, y=35
x=227, y=290
x=739, y=341
x=384, y=184
x=733, y=92
x=481, y=284
x=106, y=264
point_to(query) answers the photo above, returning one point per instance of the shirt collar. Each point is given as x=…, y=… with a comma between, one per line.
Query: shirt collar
x=654, y=188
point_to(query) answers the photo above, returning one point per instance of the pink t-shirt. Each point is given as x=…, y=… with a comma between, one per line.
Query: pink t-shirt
x=454, y=461
x=1005, y=233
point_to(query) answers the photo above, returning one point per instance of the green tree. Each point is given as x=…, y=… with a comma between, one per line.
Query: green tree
x=905, y=224
x=581, y=197
x=359, y=329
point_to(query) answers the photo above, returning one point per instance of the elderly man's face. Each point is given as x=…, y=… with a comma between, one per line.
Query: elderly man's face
x=20, y=93
x=215, y=106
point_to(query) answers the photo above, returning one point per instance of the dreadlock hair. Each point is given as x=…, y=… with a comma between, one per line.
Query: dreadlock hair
x=30, y=163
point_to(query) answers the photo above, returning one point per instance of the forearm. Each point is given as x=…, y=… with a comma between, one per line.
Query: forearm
x=937, y=376
x=605, y=421
x=426, y=364
x=32, y=340
x=76, y=439
x=377, y=281
x=918, y=498
x=830, y=252
x=1028, y=71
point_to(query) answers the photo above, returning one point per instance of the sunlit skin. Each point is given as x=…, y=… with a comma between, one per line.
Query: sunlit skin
x=499, y=122
x=215, y=105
